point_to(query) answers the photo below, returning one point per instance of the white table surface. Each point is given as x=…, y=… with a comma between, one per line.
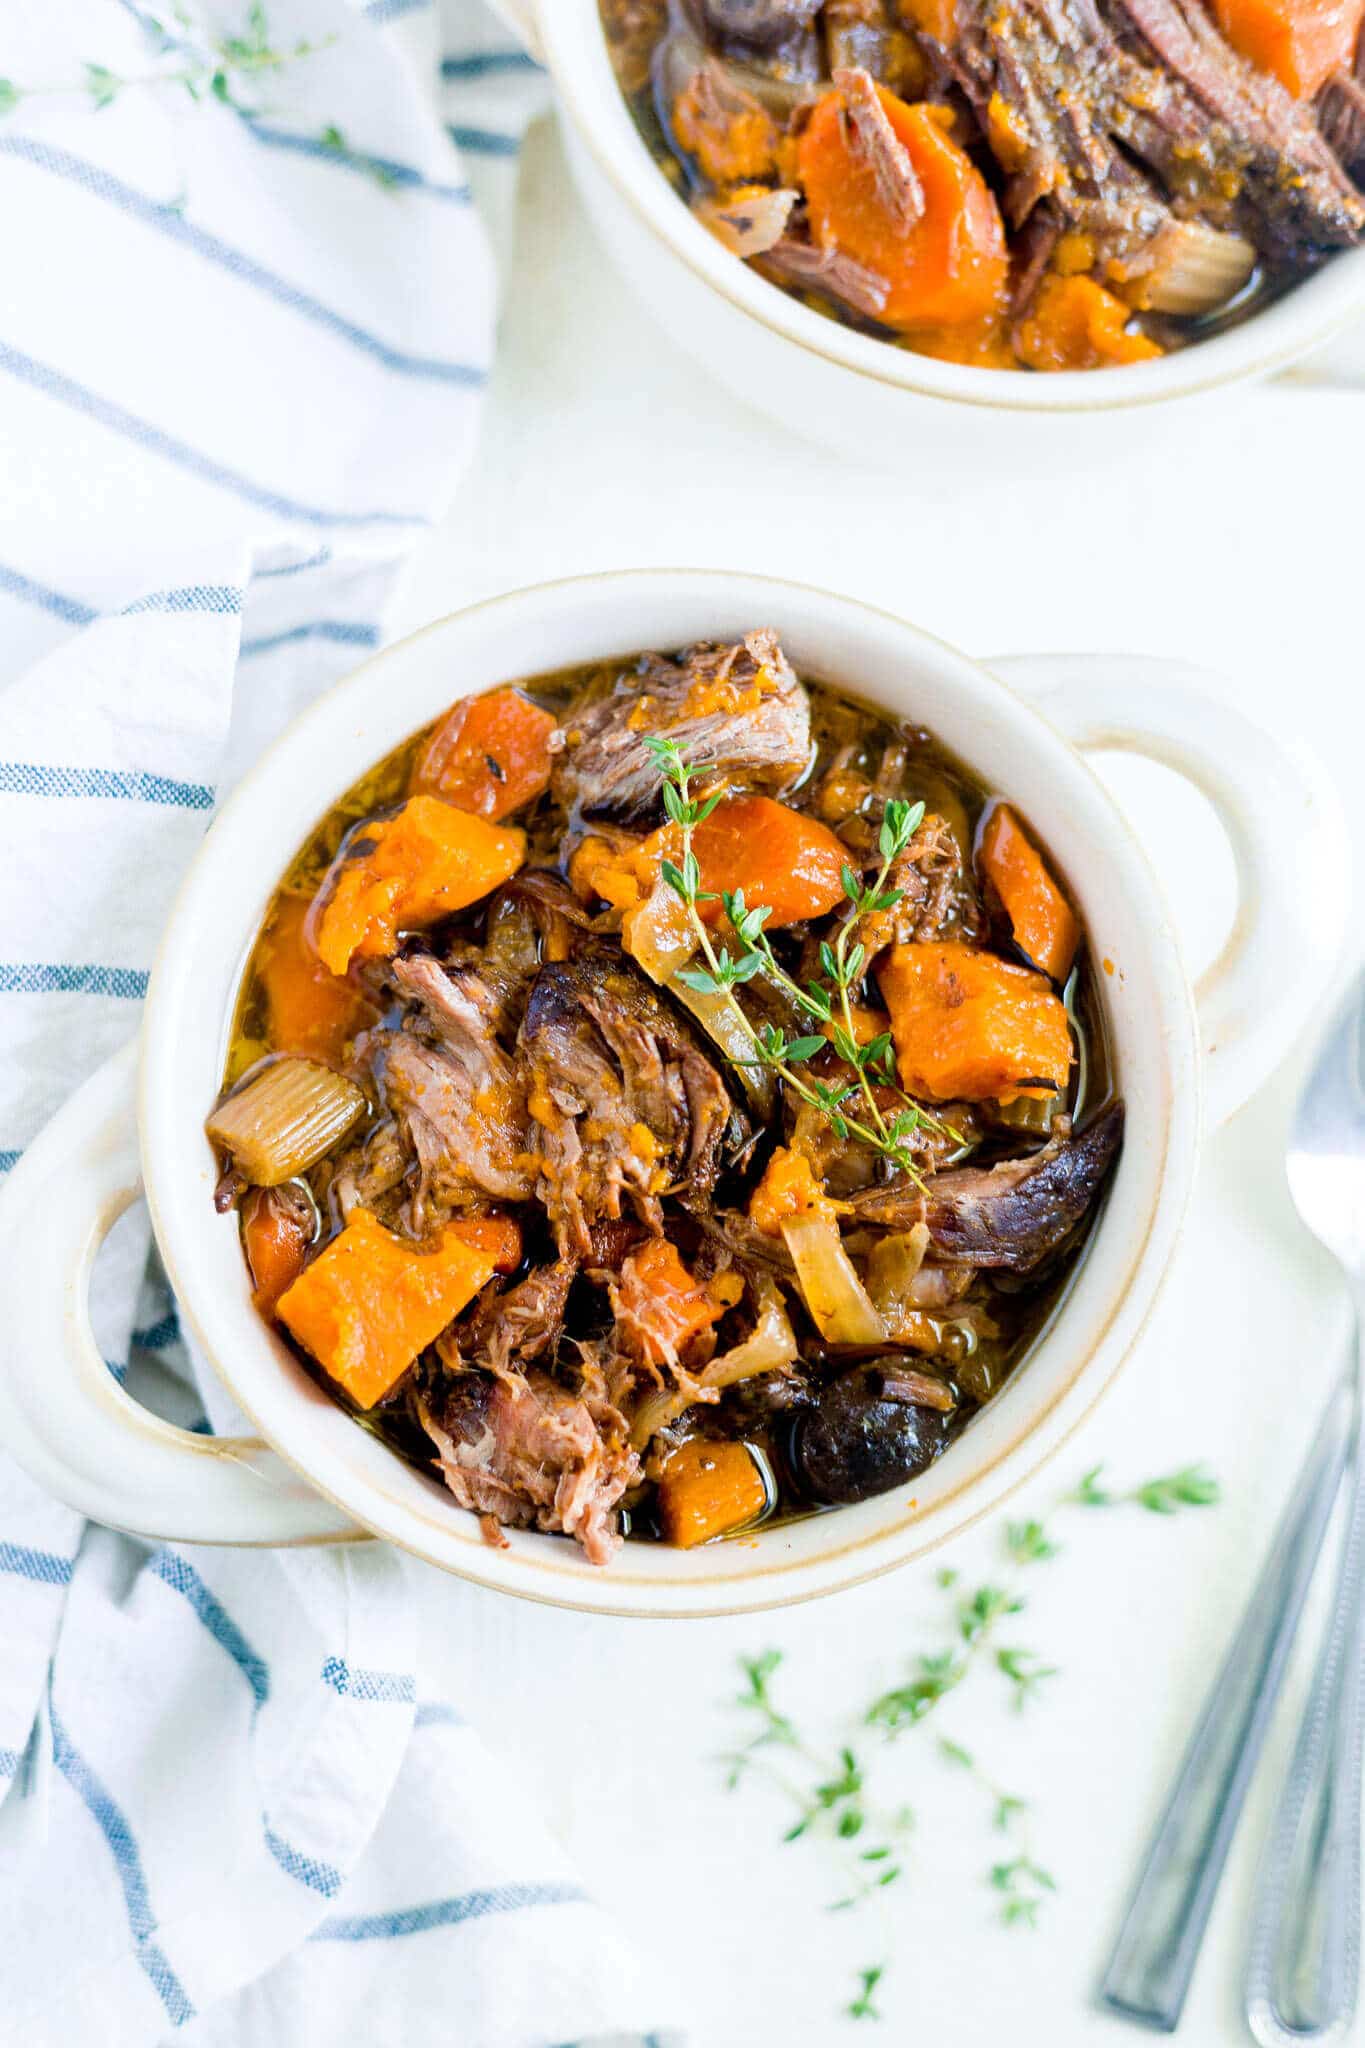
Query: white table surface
x=605, y=446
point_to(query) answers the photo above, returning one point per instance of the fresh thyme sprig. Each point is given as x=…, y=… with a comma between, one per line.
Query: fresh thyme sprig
x=209, y=67
x=832, y=1792
x=842, y=964
x=1190, y=1487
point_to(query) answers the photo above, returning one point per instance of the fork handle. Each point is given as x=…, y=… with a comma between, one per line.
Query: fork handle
x=1163, y=1926
x=1303, y=1965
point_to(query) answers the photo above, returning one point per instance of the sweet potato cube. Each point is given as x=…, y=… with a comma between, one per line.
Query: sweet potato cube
x=1043, y=922
x=970, y=1027
x=490, y=755
x=413, y=869
x=311, y=1010
x=706, y=1489
x=369, y=1302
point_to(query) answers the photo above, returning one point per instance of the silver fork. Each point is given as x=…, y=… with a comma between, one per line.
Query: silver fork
x=1303, y=1963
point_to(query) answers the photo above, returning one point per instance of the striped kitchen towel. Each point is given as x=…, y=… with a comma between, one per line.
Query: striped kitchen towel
x=247, y=315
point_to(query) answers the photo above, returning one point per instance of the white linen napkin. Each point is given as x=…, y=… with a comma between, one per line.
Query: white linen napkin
x=248, y=311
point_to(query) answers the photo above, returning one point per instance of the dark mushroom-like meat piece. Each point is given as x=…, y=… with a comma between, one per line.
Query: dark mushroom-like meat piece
x=857, y=1440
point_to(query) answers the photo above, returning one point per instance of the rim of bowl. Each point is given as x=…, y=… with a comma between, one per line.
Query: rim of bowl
x=546, y=1579
x=1304, y=318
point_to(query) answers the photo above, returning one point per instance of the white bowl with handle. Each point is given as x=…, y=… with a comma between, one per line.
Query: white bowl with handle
x=870, y=400
x=311, y=1475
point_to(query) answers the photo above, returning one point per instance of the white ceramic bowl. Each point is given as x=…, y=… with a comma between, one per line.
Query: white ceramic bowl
x=872, y=401
x=63, y=1415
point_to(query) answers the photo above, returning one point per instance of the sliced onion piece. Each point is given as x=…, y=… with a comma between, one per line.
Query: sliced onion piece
x=749, y=222
x=1195, y=268
x=717, y=1019
x=769, y=1347
x=285, y=1119
x=840, y=1306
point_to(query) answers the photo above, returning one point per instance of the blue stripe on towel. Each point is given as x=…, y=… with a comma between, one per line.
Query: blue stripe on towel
x=391, y=10
x=310, y=1870
x=31, y=978
x=10, y=1760
x=69, y=609
x=317, y=561
x=159, y=1335
x=66, y=391
x=114, y=1826
x=385, y=169
x=507, y=1898
x=27, y=778
x=9, y=1160
x=393, y=1686
x=182, y=1578
x=221, y=598
x=43, y=1566
x=483, y=141
x=168, y=221
x=436, y=1714
x=480, y=63
x=345, y=632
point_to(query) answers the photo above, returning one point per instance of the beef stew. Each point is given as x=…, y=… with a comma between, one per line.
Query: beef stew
x=1043, y=185
x=666, y=1095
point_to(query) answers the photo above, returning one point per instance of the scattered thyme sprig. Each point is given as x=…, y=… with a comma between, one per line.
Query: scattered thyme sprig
x=842, y=964
x=1190, y=1487
x=831, y=1791
x=217, y=67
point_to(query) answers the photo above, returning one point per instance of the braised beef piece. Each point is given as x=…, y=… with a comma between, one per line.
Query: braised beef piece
x=1077, y=96
x=529, y=1453
x=796, y=260
x=937, y=896
x=1010, y=1216
x=533, y=918
x=624, y=1101
x=761, y=23
x=737, y=710
x=874, y=143
x=455, y=1092
x=1341, y=115
x=521, y=1326
x=865, y=1432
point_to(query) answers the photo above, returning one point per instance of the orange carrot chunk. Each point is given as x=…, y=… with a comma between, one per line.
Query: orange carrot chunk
x=1300, y=42
x=947, y=269
x=969, y=1027
x=276, y=1244
x=1075, y=324
x=706, y=1489
x=775, y=855
x=311, y=1010
x=1043, y=922
x=370, y=1302
x=412, y=869
x=490, y=755
x=499, y=1237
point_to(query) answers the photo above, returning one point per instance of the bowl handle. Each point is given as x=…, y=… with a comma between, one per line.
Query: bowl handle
x=1284, y=821
x=520, y=17
x=63, y=1415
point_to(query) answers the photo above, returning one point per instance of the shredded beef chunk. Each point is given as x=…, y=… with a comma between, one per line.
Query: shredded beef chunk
x=520, y=1327
x=454, y=1090
x=738, y=711
x=623, y=1100
x=530, y=1454
x=1117, y=115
